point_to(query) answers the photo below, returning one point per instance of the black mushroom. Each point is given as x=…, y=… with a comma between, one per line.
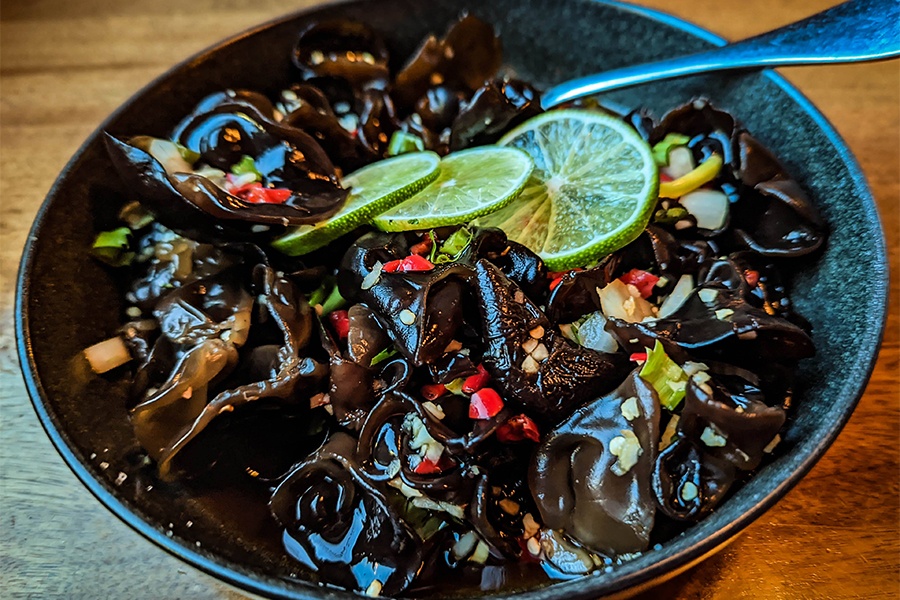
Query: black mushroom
x=494, y=109
x=200, y=317
x=350, y=392
x=311, y=111
x=339, y=525
x=525, y=268
x=343, y=49
x=733, y=427
x=466, y=57
x=724, y=428
x=420, y=310
x=184, y=182
x=591, y=475
x=529, y=361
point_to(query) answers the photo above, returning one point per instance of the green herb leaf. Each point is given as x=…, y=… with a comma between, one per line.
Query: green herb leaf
x=114, y=247
x=403, y=142
x=661, y=149
x=667, y=378
x=246, y=165
x=383, y=355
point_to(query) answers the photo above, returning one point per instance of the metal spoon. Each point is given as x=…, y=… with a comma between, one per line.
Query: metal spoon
x=859, y=30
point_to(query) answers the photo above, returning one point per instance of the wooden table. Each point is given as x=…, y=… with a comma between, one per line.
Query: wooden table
x=66, y=64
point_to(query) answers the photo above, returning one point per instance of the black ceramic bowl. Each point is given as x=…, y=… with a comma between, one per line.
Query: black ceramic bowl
x=66, y=301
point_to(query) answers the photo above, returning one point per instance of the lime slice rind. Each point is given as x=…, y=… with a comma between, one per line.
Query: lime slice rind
x=471, y=183
x=593, y=189
x=374, y=189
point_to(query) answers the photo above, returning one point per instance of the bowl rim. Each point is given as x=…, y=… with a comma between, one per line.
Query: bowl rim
x=581, y=587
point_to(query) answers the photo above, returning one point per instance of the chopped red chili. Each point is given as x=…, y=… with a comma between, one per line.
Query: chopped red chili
x=411, y=263
x=341, y=323
x=642, y=280
x=433, y=391
x=423, y=247
x=484, y=404
x=751, y=277
x=255, y=193
x=518, y=428
x=429, y=467
x=556, y=277
x=638, y=357
x=473, y=383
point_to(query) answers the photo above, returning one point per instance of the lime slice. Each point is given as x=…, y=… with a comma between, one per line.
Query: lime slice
x=593, y=189
x=472, y=183
x=373, y=189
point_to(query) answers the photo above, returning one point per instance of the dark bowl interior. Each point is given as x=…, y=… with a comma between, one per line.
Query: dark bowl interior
x=66, y=301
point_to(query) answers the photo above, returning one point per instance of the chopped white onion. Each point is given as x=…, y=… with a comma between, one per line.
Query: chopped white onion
x=676, y=299
x=107, y=355
x=616, y=300
x=708, y=207
x=169, y=157
x=592, y=334
x=681, y=162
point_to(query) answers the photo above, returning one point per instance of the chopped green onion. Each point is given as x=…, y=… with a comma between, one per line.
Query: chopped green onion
x=383, y=355
x=245, y=166
x=455, y=386
x=661, y=149
x=403, y=142
x=667, y=378
x=334, y=301
x=457, y=242
x=670, y=216
x=318, y=295
x=423, y=521
x=114, y=247
x=328, y=296
x=704, y=173
x=452, y=248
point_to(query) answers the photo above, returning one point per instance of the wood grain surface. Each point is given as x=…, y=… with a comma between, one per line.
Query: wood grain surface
x=66, y=64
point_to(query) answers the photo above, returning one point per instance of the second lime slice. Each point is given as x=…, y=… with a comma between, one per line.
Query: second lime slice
x=471, y=183
x=373, y=189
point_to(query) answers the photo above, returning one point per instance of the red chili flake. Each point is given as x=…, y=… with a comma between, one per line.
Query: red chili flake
x=638, y=357
x=341, y=323
x=751, y=277
x=473, y=383
x=429, y=467
x=484, y=404
x=555, y=283
x=664, y=177
x=518, y=428
x=409, y=264
x=433, y=391
x=642, y=280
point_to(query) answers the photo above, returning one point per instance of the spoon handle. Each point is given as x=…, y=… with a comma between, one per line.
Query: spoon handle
x=859, y=30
